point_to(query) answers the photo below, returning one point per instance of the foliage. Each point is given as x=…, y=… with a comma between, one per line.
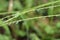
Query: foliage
x=30, y=19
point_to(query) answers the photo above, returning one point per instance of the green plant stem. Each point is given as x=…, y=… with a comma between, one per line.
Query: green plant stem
x=32, y=9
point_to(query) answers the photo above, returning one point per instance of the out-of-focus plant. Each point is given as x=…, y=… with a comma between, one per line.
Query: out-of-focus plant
x=34, y=19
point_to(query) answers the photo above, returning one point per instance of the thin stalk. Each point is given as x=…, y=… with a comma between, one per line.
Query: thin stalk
x=10, y=8
x=50, y=12
x=26, y=25
x=29, y=3
x=32, y=9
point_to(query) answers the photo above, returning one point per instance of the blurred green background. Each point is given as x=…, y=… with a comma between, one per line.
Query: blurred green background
x=29, y=19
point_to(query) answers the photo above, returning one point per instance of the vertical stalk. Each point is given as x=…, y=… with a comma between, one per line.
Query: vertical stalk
x=11, y=27
x=27, y=26
x=10, y=7
x=29, y=3
x=50, y=12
